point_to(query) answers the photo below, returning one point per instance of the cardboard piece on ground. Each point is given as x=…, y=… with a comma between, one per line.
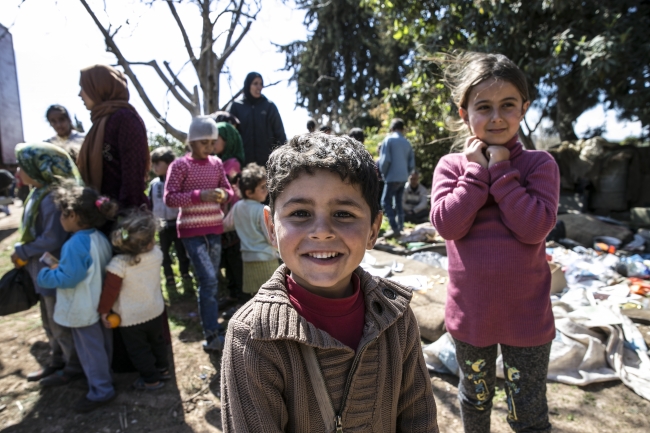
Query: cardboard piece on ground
x=558, y=281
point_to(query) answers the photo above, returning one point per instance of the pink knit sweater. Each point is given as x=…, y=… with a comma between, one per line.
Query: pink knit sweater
x=495, y=222
x=186, y=178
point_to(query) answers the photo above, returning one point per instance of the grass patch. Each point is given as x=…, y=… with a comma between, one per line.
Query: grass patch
x=499, y=394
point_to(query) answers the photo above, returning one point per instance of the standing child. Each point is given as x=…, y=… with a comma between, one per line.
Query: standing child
x=247, y=218
x=231, y=151
x=78, y=278
x=42, y=166
x=198, y=185
x=494, y=204
x=160, y=160
x=132, y=290
x=324, y=345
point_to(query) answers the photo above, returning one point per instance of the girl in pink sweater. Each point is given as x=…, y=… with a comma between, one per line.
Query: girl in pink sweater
x=197, y=184
x=494, y=204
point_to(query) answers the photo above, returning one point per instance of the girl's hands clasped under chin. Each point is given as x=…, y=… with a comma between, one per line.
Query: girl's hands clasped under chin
x=486, y=156
x=474, y=151
x=497, y=154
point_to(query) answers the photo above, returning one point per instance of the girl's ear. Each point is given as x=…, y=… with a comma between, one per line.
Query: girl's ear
x=464, y=115
x=270, y=226
x=524, y=108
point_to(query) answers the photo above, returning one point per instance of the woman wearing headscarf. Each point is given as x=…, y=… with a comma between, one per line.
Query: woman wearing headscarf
x=43, y=166
x=114, y=158
x=260, y=122
x=230, y=149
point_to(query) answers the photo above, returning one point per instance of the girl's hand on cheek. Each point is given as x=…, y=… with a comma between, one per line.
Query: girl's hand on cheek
x=474, y=151
x=497, y=154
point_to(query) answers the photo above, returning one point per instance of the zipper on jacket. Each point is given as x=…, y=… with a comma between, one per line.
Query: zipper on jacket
x=339, y=417
x=339, y=424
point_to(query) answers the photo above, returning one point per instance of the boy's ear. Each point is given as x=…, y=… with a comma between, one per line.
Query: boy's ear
x=374, y=231
x=270, y=227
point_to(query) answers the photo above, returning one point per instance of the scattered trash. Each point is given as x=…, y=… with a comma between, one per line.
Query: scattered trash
x=416, y=282
x=592, y=344
x=436, y=260
x=637, y=245
x=369, y=264
x=422, y=233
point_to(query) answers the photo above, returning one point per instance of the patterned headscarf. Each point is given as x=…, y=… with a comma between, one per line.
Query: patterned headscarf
x=234, y=147
x=47, y=164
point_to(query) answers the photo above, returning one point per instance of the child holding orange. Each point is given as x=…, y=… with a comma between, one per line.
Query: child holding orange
x=132, y=290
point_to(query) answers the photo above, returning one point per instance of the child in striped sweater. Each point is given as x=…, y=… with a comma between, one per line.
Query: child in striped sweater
x=197, y=184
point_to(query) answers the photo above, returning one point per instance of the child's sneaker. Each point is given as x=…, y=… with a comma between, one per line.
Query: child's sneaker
x=83, y=405
x=214, y=344
x=141, y=385
x=165, y=374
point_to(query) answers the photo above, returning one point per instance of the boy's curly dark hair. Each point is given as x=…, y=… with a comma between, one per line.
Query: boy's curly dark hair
x=251, y=176
x=318, y=151
x=134, y=234
x=92, y=208
x=164, y=154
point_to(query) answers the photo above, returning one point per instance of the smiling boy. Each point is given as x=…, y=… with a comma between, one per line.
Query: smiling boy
x=325, y=346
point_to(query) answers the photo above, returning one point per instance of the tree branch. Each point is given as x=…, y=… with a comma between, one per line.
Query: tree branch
x=189, y=106
x=112, y=47
x=177, y=82
x=234, y=19
x=186, y=38
x=223, y=12
x=230, y=48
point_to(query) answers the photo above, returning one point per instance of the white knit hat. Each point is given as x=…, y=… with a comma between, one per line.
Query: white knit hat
x=203, y=128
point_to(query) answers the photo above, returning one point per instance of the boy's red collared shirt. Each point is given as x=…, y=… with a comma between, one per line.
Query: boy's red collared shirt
x=343, y=318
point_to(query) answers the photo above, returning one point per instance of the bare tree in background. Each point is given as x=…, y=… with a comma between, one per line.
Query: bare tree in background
x=207, y=63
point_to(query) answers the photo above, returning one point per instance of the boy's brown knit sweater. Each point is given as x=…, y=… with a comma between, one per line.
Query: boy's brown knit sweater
x=266, y=386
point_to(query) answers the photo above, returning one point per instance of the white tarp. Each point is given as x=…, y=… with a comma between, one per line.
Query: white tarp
x=592, y=344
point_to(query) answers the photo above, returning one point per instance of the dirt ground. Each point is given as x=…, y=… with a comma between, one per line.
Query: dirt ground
x=190, y=401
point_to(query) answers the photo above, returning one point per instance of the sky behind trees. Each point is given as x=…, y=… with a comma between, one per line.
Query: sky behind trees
x=53, y=40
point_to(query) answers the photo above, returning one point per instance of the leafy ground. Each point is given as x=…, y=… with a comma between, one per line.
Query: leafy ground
x=190, y=402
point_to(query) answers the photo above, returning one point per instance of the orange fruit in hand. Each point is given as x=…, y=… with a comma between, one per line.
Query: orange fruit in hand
x=114, y=320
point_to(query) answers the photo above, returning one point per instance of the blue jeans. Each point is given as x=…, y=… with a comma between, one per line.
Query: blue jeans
x=393, y=209
x=205, y=255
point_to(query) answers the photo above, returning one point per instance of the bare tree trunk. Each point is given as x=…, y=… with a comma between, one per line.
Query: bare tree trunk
x=208, y=64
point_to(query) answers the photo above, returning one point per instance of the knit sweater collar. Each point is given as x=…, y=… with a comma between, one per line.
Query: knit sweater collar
x=514, y=146
x=274, y=318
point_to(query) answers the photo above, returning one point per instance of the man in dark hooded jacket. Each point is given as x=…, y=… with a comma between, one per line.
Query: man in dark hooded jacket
x=260, y=122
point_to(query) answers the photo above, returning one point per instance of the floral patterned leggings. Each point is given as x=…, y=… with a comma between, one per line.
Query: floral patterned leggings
x=525, y=370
